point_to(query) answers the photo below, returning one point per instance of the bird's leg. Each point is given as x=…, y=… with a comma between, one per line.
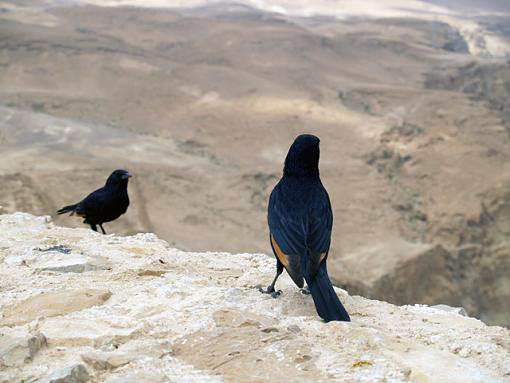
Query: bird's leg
x=101, y=226
x=270, y=289
x=305, y=291
x=93, y=227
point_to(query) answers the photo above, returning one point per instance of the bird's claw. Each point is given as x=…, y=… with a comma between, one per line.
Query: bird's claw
x=270, y=290
x=305, y=291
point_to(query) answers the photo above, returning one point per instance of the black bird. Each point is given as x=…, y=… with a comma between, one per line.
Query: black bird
x=105, y=204
x=300, y=223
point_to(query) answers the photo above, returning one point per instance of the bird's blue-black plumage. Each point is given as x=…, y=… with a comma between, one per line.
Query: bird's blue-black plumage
x=105, y=204
x=300, y=223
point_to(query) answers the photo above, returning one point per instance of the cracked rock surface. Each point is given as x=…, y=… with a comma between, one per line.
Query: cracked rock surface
x=158, y=314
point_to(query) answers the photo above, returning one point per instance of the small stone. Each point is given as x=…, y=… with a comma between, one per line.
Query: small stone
x=107, y=360
x=73, y=374
x=152, y=273
x=57, y=248
x=302, y=358
x=69, y=263
x=15, y=350
x=450, y=309
x=6, y=378
x=63, y=331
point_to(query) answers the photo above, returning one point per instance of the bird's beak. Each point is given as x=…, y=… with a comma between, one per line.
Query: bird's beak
x=126, y=176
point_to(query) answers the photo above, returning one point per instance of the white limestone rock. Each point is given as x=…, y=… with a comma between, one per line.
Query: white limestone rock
x=450, y=309
x=18, y=347
x=6, y=377
x=52, y=303
x=159, y=314
x=72, y=374
x=118, y=356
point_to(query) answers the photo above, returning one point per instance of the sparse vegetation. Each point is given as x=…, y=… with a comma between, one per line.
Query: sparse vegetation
x=38, y=106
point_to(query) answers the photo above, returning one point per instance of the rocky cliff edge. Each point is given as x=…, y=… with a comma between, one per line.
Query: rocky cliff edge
x=77, y=306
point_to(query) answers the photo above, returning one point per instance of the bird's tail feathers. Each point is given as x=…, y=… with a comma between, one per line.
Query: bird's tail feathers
x=67, y=209
x=326, y=301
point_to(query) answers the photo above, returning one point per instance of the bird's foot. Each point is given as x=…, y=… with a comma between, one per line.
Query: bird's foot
x=270, y=290
x=305, y=291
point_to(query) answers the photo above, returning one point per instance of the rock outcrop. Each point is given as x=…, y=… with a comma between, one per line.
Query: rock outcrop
x=152, y=313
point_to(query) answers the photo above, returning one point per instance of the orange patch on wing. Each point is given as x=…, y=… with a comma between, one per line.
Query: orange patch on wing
x=279, y=253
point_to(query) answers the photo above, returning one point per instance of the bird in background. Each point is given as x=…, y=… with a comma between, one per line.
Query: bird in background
x=105, y=204
x=300, y=223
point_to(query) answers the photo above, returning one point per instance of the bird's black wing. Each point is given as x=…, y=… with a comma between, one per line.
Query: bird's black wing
x=287, y=236
x=94, y=205
x=301, y=238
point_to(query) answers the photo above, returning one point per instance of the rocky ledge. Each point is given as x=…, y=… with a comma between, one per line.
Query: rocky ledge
x=77, y=306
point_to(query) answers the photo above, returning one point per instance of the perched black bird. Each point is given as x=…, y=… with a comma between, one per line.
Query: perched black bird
x=300, y=222
x=105, y=204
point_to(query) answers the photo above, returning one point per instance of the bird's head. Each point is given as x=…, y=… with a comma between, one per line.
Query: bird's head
x=118, y=178
x=303, y=156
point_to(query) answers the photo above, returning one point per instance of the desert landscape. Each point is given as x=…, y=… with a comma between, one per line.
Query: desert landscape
x=201, y=100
